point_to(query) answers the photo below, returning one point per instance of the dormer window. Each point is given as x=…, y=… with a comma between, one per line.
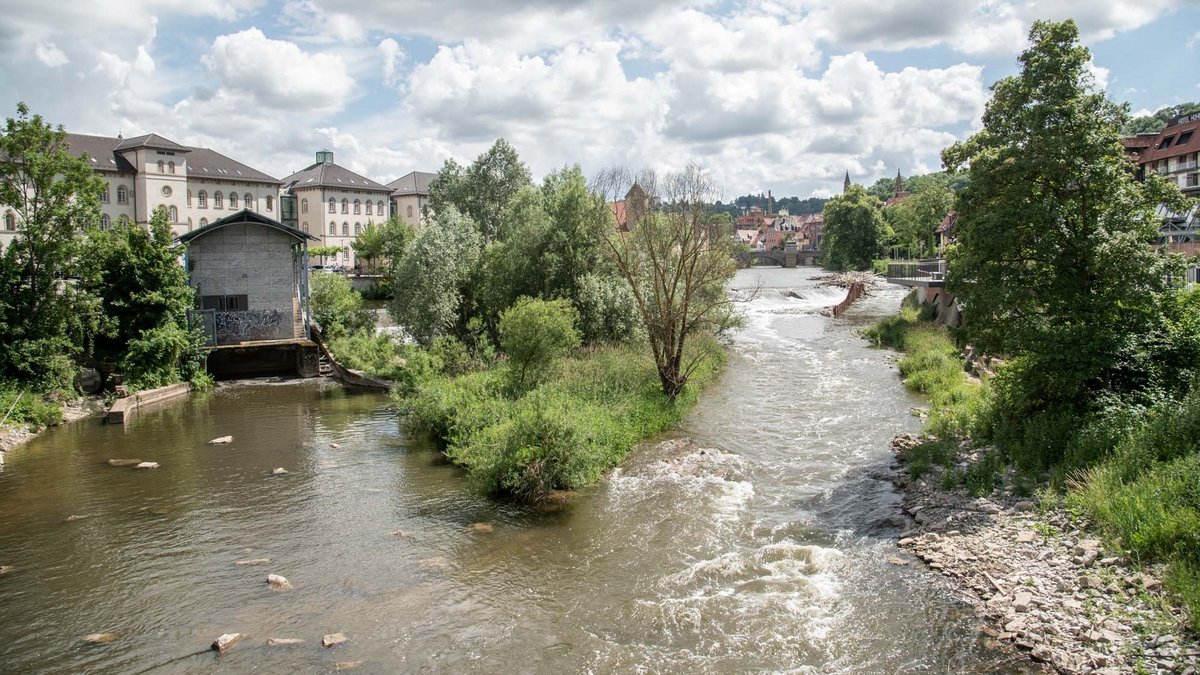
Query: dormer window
x=1166, y=143
x=1184, y=138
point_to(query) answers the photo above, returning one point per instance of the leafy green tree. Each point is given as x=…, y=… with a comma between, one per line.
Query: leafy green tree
x=918, y=215
x=1155, y=122
x=383, y=242
x=1053, y=259
x=431, y=277
x=54, y=195
x=854, y=230
x=534, y=333
x=323, y=251
x=882, y=189
x=676, y=264
x=144, y=298
x=336, y=306
x=482, y=190
x=368, y=245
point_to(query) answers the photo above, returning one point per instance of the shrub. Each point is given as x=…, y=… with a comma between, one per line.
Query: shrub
x=25, y=406
x=533, y=333
x=336, y=306
x=607, y=310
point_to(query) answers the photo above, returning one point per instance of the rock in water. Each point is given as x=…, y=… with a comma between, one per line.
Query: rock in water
x=221, y=441
x=147, y=465
x=283, y=642
x=482, y=527
x=226, y=641
x=124, y=462
x=100, y=638
x=333, y=640
x=254, y=561
x=74, y=517
x=5, y=569
x=347, y=665
x=335, y=446
x=279, y=471
x=277, y=582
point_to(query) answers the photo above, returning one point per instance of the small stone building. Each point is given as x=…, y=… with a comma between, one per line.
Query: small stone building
x=250, y=273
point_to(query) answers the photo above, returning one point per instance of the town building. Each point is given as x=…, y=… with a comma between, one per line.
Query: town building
x=410, y=197
x=1173, y=152
x=334, y=204
x=142, y=174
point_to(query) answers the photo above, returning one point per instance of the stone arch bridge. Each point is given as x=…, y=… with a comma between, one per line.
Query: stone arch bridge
x=785, y=258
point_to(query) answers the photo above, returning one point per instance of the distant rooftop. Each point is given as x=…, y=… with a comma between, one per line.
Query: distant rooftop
x=412, y=183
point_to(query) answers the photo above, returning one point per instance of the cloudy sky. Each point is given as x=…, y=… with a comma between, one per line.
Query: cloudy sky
x=784, y=95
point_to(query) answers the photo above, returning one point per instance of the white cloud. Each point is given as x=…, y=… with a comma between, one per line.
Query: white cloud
x=51, y=56
x=279, y=74
x=392, y=55
x=1193, y=41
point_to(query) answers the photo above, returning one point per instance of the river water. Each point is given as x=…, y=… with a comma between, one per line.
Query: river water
x=761, y=546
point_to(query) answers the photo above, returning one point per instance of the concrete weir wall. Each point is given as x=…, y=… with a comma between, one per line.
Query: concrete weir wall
x=854, y=293
x=296, y=357
x=122, y=408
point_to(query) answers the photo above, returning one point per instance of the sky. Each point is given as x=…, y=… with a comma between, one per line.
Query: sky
x=786, y=95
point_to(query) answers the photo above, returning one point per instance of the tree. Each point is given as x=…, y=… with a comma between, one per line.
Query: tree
x=1155, y=122
x=482, y=190
x=368, y=244
x=918, y=215
x=534, y=333
x=54, y=196
x=431, y=277
x=1053, y=261
x=337, y=307
x=387, y=241
x=323, y=251
x=677, y=265
x=143, y=294
x=854, y=230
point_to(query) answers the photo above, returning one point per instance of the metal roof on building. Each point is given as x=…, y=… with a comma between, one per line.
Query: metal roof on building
x=245, y=216
x=330, y=175
x=412, y=183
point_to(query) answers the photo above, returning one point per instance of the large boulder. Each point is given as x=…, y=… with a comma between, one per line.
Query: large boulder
x=226, y=641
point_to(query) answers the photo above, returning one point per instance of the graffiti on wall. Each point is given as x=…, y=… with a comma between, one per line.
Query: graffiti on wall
x=251, y=325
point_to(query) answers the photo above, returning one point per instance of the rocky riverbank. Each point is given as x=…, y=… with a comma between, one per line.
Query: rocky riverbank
x=1041, y=581
x=13, y=435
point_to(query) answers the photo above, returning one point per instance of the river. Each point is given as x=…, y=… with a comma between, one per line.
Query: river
x=762, y=546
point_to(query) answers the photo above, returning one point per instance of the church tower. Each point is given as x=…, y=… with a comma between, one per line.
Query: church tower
x=846, y=185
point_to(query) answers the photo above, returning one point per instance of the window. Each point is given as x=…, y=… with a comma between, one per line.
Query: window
x=345, y=205
x=346, y=252
x=270, y=202
x=105, y=222
x=122, y=194
x=248, y=201
x=104, y=195
x=1184, y=138
x=189, y=199
x=304, y=227
x=232, y=201
x=357, y=229
x=345, y=229
x=1193, y=179
x=10, y=221
x=332, y=228
x=171, y=167
x=202, y=200
x=410, y=211
x=218, y=200
x=203, y=222
x=378, y=207
x=1166, y=143
x=332, y=205
x=224, y=303
x=303, y=206
x=173, y=214
x=368, y=207
x=162, y=168
x=357, y=207
x=123, y=220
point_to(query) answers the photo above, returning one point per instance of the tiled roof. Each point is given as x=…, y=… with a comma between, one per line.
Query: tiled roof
x=1192, y=144
x=413, y=183
x=101, y=150
x=149, y=141
x=328, y=174
x=205, y=163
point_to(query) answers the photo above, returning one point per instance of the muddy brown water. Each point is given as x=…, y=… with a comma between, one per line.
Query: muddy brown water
x=761, y=547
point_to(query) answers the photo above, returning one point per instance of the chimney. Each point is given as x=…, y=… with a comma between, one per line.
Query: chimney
x=770, y=201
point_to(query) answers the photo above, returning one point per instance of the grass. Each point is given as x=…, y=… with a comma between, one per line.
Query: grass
x=21, y=405
x=565, y=432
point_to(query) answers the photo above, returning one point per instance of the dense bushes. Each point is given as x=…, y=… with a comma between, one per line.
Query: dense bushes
x=533, y=333
x=21, y=405
x=562, y=434
x=336, y=306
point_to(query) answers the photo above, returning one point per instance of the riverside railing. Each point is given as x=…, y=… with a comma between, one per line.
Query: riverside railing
x=923, y=272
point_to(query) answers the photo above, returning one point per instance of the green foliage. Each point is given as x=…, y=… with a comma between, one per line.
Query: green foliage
x=534, y=333
x=432, y=276
x=854, y=230
x=54, y=195
x=563, y=434
x=607, y=309
x=481, y=191
x=315, y=252
x=386, y=243
x=25, y=406
x=1155, y=122
x=915, y=218
x=1052, y=256
x=336, y=306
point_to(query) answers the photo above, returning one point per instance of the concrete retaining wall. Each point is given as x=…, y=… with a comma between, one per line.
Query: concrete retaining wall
x=854, y=293
x=353, y=378
x=122, y=408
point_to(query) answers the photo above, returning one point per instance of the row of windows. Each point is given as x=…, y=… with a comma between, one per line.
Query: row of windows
x=169, y=167
x=218, y=200
x=346, y=206
x=122, y=195
x=345, y=228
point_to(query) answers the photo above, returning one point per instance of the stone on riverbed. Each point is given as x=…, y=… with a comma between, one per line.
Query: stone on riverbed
x=333, y=640
x=124, y=462
x=5, y=569
x=279, y=471
x=482, y=527
x=335, y=446
x=100, y=638
x=226, y=641
x=221, y=441
x=147, y=465
x=347, y=665
x=277, y=582
x=283, y=642
x=253, y=561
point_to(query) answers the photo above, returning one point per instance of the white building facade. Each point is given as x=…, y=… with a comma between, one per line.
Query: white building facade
x=335, y=204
